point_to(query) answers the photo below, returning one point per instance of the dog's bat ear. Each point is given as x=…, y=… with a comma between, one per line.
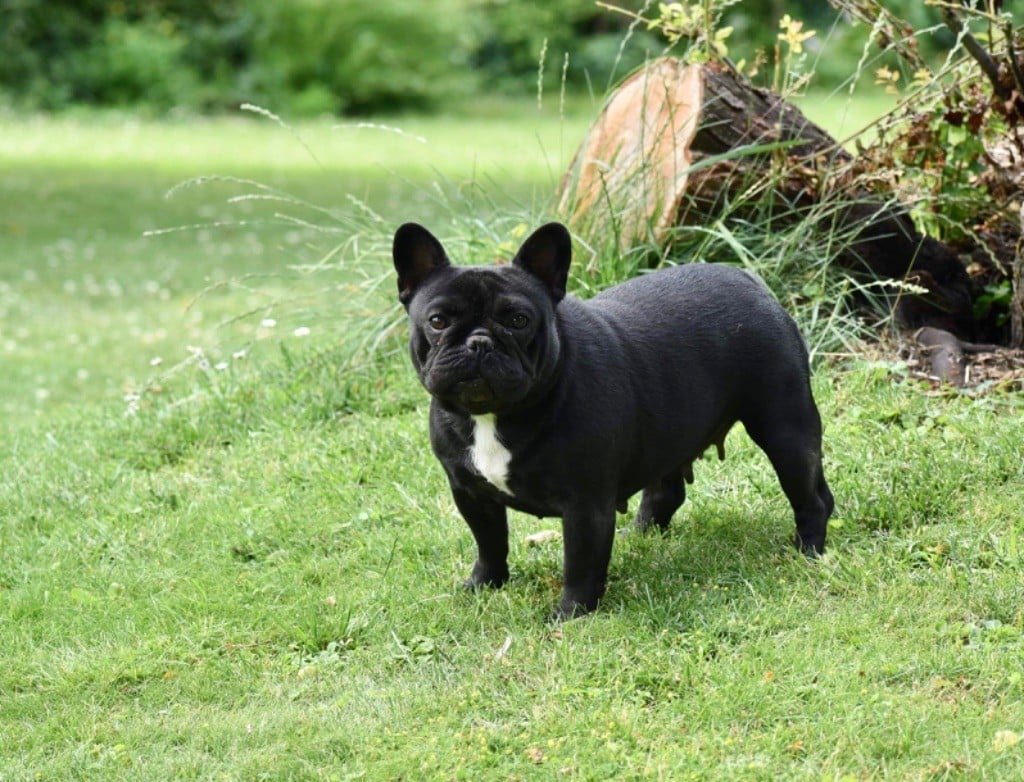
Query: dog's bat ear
x=546, y=254
x=417, y=253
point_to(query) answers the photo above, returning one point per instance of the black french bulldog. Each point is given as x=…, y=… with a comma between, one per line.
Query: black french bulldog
x=561, y=407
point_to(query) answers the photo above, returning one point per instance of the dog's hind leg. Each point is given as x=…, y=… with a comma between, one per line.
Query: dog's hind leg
x=660, y=501
x=790, y=434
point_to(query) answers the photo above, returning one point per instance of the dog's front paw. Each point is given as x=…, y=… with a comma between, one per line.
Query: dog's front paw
x=571, y=608
x=485, y=575
x=810, y=547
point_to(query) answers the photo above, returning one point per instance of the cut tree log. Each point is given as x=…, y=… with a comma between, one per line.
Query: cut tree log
x=631, y=173
x=676, y=142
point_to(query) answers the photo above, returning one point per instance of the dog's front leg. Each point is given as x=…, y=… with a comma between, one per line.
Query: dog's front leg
x=488, y=521
x=587, y=534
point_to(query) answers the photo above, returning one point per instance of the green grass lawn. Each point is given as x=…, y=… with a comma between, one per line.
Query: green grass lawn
x=251, y=571
x=89, y=299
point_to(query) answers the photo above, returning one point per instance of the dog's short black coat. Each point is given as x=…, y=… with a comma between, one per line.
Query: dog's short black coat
x=561, y=407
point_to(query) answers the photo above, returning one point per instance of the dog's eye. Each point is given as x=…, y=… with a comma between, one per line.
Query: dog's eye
x=438, y=322
x=519, y=321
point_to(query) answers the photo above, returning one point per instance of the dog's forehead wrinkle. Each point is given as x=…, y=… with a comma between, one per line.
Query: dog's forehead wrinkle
x=491, y=280
x=463, y=284
x=485, y=286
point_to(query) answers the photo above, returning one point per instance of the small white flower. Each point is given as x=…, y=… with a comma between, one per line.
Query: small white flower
x=302, y=331
x=238, y=354
x=268, y=323
x=156, y=361
x=220, y=366
x=132, y=400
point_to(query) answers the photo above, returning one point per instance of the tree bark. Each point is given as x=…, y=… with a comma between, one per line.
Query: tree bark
x=1017, y=302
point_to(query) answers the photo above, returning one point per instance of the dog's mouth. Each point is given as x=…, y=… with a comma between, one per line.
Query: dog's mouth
x=474, y=390
x=479, y=385
x=474, y=395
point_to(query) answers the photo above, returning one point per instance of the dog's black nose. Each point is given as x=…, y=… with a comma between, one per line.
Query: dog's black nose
x=479, y=342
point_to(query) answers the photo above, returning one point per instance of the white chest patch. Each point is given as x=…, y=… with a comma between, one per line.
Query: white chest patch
x=489, y=456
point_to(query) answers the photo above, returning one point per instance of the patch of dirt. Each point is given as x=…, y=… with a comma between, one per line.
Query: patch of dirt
x=992, y=369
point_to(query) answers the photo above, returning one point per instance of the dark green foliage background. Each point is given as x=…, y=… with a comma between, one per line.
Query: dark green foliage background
x=307, y=57
x=296, y=56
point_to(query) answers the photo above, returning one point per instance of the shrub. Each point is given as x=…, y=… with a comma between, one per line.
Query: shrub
x=513, y=36
x=391, y=55
x=131, y=64
x=160, y=53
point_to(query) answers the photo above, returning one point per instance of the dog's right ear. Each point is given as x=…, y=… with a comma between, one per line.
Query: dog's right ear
x=416, y=253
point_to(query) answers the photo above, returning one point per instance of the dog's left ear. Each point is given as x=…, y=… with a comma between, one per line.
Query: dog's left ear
x=546, y=254
x=416, y=253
